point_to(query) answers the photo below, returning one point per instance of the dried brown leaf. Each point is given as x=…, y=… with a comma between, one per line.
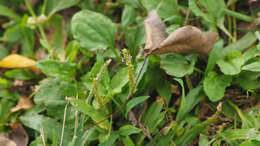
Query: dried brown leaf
x=132, y=118
x=155, y=31
x=23, y=104
x=187, y=39
x=4, y=141
x=19, y=135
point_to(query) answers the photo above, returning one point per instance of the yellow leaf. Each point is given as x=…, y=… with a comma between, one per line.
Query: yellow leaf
x=18, y=61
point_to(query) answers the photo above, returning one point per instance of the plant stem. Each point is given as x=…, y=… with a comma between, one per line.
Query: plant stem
x=188, y=81
x=63, y=125
x=30, y=9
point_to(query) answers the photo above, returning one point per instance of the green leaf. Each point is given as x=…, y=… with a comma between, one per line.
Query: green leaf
x=57, y=5
x=165, y=8
x=203, y=140
x=250, y=143
x=53, y=92
x=95, y=115
x=37, y=141
x=215, y=8
x=183, y=99
x=191, y=133
x=128, y=16
x=128, y=130
x=251, y=53
x=20, y=74
x=248, y=121
x=133, y=3
x=5, y=11
x=245, y=133
x=13, y=34
x=5, y=108
x=238, y=15
x=4, y=83
x=134, y=38
x=242, y=44
x=254, y=66
x=58, y=36
x=111, y=140
x=4, y=52
x=177, y=65
x=195, y=9
x=248, y=80
x=165, y=91
x=214, y=85
x=231, y=63
x=128, y=141
x=119, y=81
x=104, y=81
x=72, y=50
x=153, y=116
x=48, y=125
x=215, y=54
x=56, y=68
x=93, y=30
x=135, y=101
x=28, y=39
x=192, y=98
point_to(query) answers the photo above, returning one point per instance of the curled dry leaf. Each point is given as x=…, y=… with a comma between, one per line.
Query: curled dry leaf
x=155, y=31
x=18, y=61
x=23, y=104
x=187, y=39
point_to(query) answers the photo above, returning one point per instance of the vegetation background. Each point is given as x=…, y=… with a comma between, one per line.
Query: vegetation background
x=69, y=74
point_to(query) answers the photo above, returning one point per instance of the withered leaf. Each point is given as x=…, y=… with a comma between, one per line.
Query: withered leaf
x=155, y=31
x=19, y=135
x=18, y=61
x=187, y=39
x=23, y=104
x=4, y=141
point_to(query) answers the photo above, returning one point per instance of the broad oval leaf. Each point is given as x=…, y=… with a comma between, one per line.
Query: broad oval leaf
x=48, y=125
x=95, y=115
x=56, y=68
x=177, y=65
x=214, y=85
x=231, y=63
x=53, y=91
x=93, y=30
